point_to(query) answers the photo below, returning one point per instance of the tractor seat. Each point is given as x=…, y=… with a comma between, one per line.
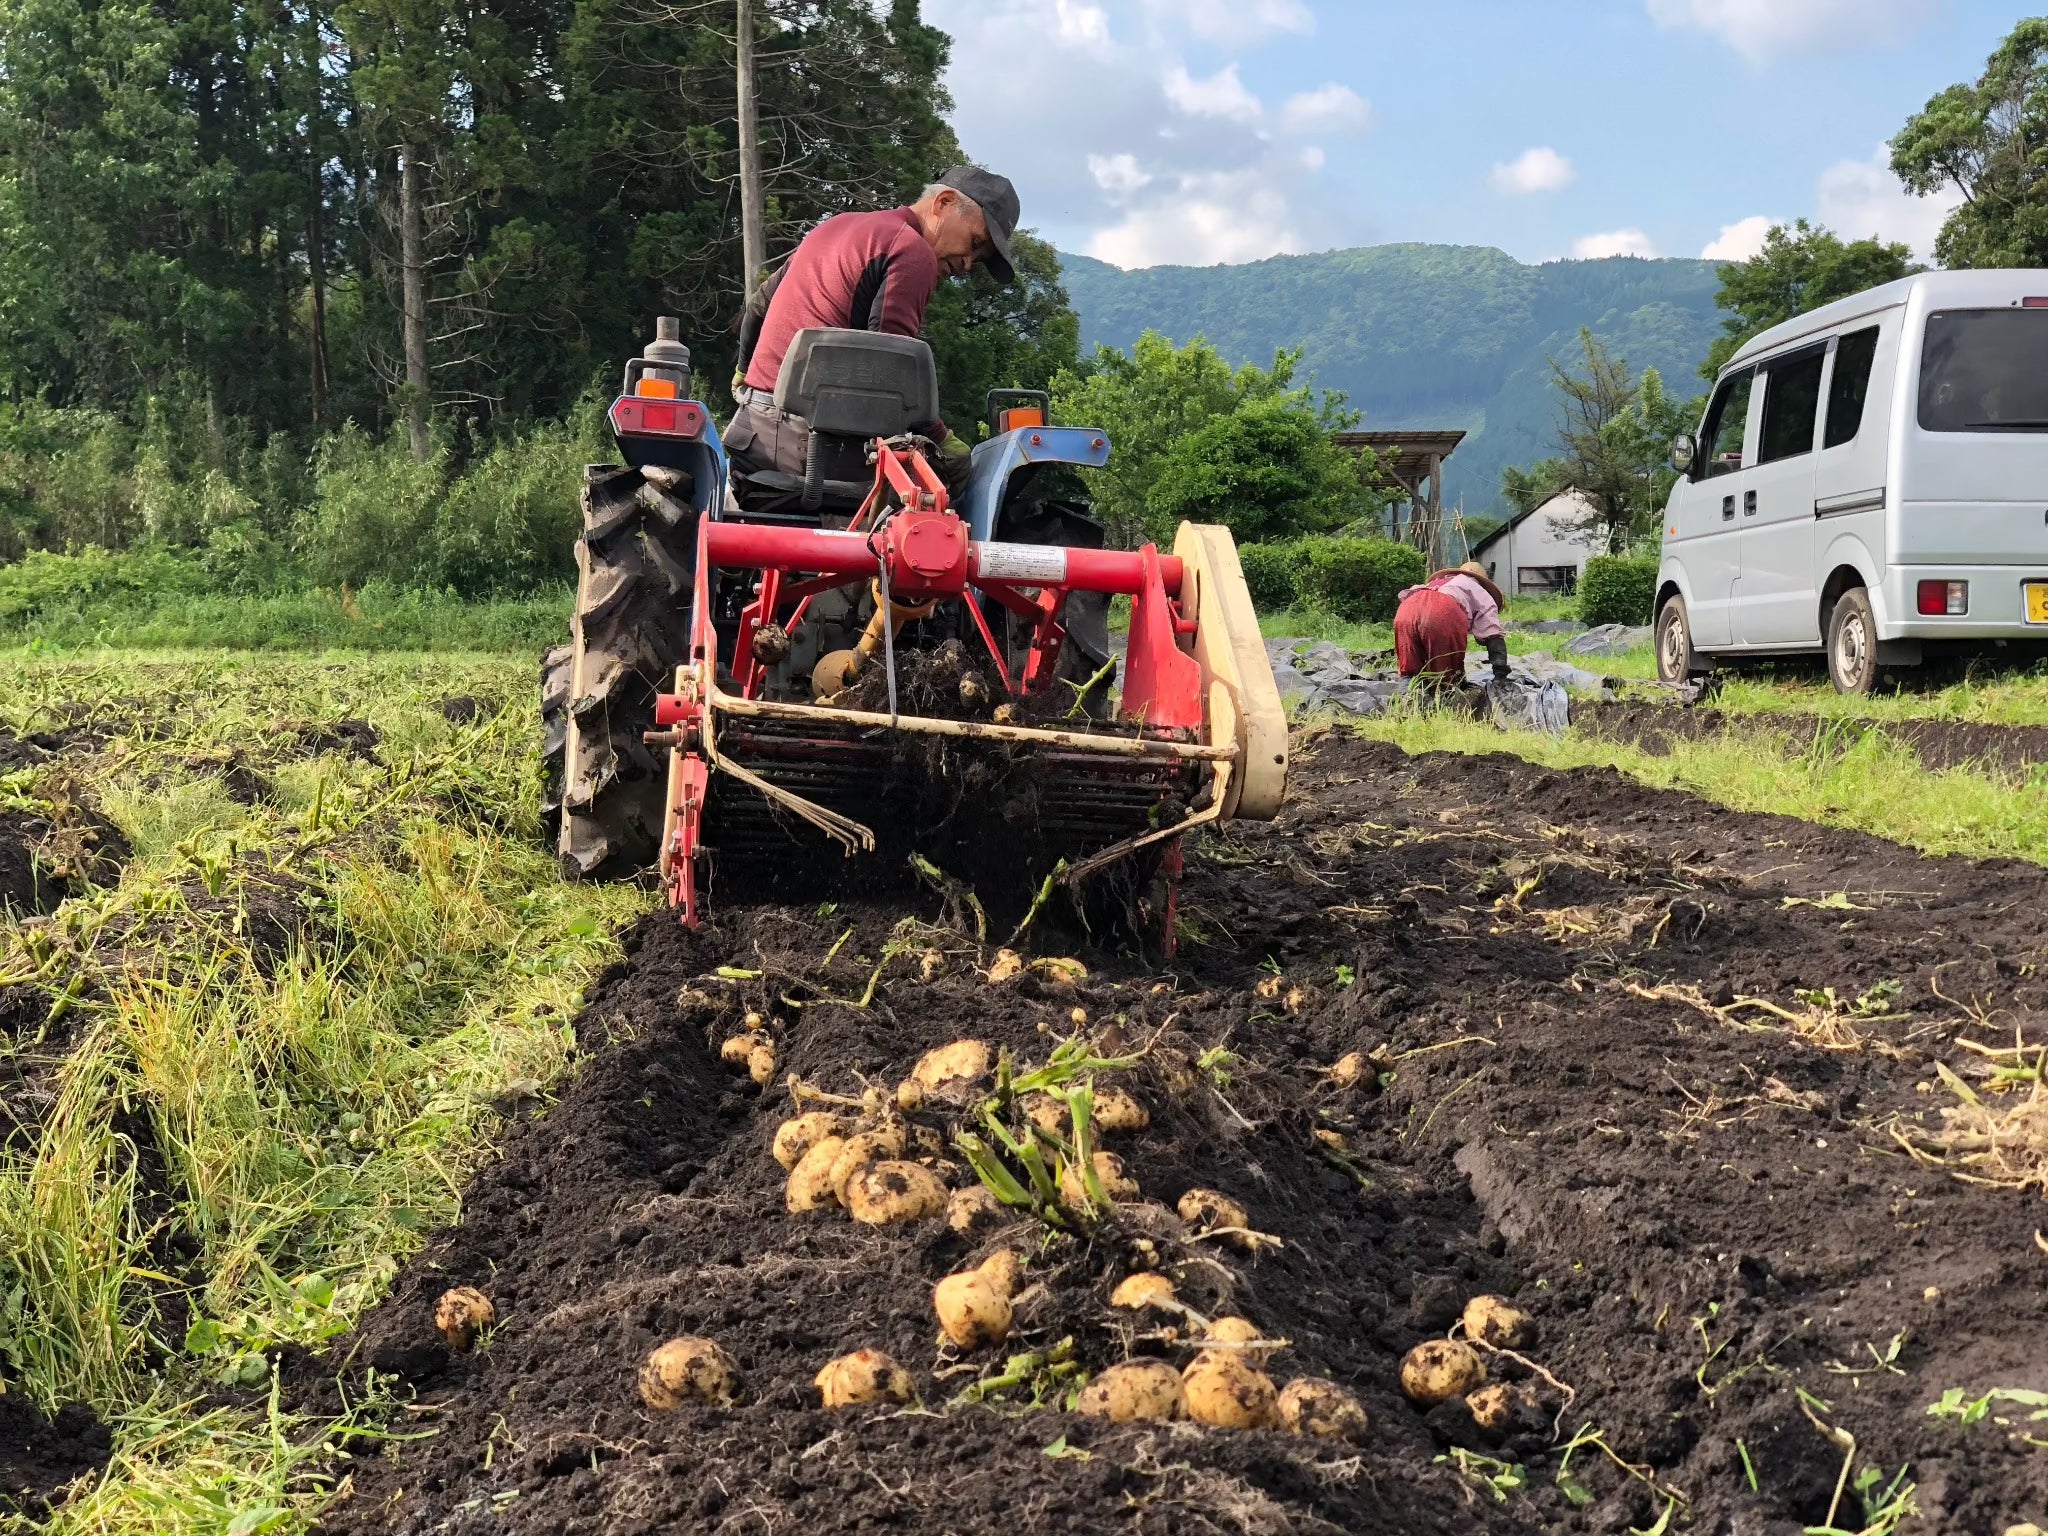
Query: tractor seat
x=851, y=492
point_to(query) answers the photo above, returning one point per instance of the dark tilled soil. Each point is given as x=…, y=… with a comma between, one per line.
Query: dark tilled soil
x=1706, y=1211
x=2012, y=749
x=41, y=1456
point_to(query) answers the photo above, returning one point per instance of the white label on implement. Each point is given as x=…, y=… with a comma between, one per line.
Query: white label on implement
x=1026, y=564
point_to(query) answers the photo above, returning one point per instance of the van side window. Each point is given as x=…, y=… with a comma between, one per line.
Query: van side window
x=1791, y=405
x=1851, y=386
x=1726, y=427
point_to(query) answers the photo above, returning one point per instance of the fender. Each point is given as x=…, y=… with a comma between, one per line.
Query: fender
x=998, y=460
x=1848, y=548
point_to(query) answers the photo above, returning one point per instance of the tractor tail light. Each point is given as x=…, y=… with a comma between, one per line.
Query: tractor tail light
x=633, y=416
x=1944, y=598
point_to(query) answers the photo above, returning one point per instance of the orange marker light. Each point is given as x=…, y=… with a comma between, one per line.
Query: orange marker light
x=651, y=388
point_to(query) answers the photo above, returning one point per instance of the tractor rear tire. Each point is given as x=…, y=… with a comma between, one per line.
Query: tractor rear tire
x=605, y=789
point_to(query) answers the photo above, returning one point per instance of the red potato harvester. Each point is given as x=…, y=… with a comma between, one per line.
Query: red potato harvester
x=808, y=602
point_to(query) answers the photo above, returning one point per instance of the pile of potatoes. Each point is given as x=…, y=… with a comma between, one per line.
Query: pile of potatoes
x=876, y=1163
x=1227, y=1385
x=1439, y=1371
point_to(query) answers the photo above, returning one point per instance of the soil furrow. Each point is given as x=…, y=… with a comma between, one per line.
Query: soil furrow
x=1582, y=1100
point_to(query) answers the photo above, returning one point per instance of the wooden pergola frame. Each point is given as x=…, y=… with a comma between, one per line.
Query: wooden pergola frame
x=1415, y=460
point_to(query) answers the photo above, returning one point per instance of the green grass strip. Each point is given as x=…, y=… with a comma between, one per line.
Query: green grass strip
x=1865, y=781
x=309, y=1110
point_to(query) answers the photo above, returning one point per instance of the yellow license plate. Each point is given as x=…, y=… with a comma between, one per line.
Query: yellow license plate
x=2037, y=601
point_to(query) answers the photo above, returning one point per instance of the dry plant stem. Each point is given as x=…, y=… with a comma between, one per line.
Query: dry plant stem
x=1843, y=1441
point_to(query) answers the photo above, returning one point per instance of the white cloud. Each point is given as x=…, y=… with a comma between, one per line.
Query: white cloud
x=1613, y=242
x=1331, y=108
x=1118, y=175
x=1115, y=164
x=1860, y=198
x=1221, y=95
x=1080, y=25
x=1741, y=240
x=1229, y=217
x=1762, y=30
x=1313, y=157
x=1541, y=169
x=1232, y=23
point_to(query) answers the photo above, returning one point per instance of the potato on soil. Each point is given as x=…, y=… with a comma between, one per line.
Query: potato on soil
x=793, y=1138
x=1297, y=1000
x=1116, y=1112
x=735, y=1051
x=882, y=1194
x=1109, y=1172
x=974, y=1305
x=685, y=1369
x=1061, y=970
x=761, y=1064
x=460, y=1313
x=952, y=1067
x=1269, y=987
x=1134, y=1390
x=1207, y=1209
x=870, y=1146
x=1136, y=1292
x=810, y=1181
x=1350, y=1070
x=1495, y=1407
x=862, y=1378
x=1008, y=965
x=909, y=1096
x=1047, y=1113
x=1499, y=1323
x=1439, y=1369
x=972, y=1207
x=1238, y=1331
x=1227, y=1392
x=1320, y=1409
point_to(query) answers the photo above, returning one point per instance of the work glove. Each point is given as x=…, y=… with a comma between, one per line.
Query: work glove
x=1497, y=653
x=955, y=459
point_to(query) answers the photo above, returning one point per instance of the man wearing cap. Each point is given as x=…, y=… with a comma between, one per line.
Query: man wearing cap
x=1436, y=620
x=866, y=272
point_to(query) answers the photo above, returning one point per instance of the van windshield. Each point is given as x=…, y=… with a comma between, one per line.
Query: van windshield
x=1985, y=370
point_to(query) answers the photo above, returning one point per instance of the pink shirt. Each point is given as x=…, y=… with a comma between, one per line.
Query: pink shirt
x=1481, y=611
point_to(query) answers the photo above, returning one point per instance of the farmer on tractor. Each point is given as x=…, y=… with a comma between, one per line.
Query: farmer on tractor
x=865, y=272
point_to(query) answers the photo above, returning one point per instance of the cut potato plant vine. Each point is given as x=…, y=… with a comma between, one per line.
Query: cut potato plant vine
x=1024, y=1167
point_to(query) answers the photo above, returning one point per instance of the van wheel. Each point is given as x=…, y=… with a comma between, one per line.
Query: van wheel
x=1675, y=659
x=1852, y=644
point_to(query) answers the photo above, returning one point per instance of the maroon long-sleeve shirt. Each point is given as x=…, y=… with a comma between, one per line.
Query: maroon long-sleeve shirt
x=855, y=271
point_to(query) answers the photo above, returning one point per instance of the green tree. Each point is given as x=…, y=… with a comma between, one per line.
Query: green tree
x=1527, y=489
x=1801, y=267
x=1988, y=141
x=1614, y=433
x=1147, y=400
x=1267, y=470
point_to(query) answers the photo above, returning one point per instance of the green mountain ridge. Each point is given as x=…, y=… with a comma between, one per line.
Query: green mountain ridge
x=1447, y=336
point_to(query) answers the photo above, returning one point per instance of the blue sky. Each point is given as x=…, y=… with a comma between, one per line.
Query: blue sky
x=1198, y=131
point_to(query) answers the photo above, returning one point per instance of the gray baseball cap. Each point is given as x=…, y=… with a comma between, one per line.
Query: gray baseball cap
x=997, y=200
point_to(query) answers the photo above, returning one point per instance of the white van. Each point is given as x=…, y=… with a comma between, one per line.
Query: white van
x=1870, y=480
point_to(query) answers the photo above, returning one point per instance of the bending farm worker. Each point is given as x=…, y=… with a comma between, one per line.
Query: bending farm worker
x=866, y=272
x=1436, y=620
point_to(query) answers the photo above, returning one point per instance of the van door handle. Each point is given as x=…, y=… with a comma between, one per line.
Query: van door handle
x=1749, y=503
x=1727, y=509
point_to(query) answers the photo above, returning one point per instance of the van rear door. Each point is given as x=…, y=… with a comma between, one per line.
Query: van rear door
x=1974, y=474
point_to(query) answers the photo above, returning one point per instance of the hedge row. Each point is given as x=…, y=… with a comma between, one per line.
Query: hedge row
x=1356, y=579
x=1617, y=589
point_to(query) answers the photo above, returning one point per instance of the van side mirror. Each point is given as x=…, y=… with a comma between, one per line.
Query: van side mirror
x=1683, y=450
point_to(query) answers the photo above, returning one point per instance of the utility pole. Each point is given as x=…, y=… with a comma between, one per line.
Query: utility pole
x=753, y=217
x=412, y=259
